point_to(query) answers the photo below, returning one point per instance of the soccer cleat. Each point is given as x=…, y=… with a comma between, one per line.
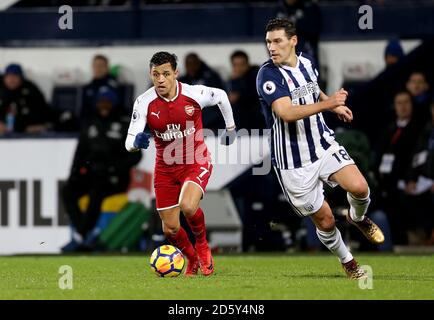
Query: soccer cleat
x=369, y=229
x=206, y=261
x=353, y=270
x=192, y=267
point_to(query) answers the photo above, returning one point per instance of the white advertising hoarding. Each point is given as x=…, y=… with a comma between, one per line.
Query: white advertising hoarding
x=33, y=170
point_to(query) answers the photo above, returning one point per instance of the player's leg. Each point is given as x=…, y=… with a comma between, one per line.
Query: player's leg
x=304, y=191
x=178, y=237
x=329, y=234
x=331, y=237
x=167, y=190
x=352, y=181
x=189, y=199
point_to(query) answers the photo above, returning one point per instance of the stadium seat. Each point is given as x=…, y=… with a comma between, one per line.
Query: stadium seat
x=113, y=203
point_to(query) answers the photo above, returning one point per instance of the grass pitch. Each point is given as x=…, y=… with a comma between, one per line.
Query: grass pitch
x=271, y=276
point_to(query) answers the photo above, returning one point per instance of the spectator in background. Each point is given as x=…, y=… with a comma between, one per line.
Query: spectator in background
x=395, y=163
x=101, y=165
x=101, y=78
x=306, y=15
x=393, y=52
x=420, y=188
x=242, y=93
x=22, y=105
x=199, y=73
x=418, y=87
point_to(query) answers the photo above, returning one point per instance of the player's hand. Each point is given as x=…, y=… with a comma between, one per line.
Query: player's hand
x=337, y=99
x=228, y=136
x=344, y=113
x=142, y=140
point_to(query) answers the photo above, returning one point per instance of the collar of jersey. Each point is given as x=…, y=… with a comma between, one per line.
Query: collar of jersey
x=291, y=68
x=176, y=95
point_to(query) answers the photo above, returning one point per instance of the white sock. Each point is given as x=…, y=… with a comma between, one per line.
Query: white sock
x=358, y=207
x=333, y=241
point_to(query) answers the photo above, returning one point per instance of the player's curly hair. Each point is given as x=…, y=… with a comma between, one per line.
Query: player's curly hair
x=281, y=23
x=163, y=57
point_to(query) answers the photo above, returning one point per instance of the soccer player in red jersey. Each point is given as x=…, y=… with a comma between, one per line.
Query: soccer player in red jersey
x=173, y=112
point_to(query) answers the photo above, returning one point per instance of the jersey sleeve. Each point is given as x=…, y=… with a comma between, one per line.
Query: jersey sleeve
x=137, y=123
x=208, y=96
x=271, y=85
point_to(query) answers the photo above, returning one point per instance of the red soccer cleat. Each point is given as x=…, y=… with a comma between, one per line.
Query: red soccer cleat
x=206, y=261
x=192, y=267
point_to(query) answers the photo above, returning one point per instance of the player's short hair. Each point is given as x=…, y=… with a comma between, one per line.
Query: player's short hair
x=101, y=57
x=239, y=53
x=163, y=57
x=281, y=23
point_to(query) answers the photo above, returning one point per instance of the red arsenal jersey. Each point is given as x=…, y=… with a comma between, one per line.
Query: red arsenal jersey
x=176, y=124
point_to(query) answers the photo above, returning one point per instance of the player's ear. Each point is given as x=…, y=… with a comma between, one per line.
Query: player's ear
x=176, y=73
x=294, y=40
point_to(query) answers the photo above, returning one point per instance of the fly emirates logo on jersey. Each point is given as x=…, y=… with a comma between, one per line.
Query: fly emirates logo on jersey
x=174, y=132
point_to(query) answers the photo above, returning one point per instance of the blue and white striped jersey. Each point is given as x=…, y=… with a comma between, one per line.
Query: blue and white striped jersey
x=294, y=144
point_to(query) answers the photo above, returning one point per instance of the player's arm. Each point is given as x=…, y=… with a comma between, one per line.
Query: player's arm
x=215, y=96
x=322, y=96
x=344, y=113
x=136, y=138
x=284, y=108
x=273, y=88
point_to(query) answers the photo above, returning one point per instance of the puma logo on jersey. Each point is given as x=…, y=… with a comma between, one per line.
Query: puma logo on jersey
x=156, y=114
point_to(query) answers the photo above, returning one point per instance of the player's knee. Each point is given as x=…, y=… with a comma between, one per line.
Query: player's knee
x=188, y=207
x=359, y=188
x=170, y=230
x=326, y=223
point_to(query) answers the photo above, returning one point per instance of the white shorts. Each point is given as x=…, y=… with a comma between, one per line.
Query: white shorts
x=303, y=187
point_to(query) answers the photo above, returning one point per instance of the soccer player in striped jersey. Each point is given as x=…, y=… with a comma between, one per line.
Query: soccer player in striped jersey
x=303, y=149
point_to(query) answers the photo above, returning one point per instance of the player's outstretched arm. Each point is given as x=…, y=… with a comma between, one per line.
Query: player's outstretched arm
x=221, y=99
x=229, y=134
x=215, y=96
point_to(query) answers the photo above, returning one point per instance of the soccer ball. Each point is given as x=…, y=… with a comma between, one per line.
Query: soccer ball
x=167, y=261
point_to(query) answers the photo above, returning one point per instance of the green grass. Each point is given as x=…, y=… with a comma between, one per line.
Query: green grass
x=271, y=276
